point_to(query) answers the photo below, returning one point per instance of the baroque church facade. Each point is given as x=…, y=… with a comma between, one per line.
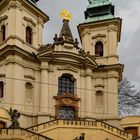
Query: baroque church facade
x=60, y=90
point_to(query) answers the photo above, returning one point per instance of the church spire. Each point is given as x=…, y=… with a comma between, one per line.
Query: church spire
x=65, y=31
x=99, y=10
x=65, y=35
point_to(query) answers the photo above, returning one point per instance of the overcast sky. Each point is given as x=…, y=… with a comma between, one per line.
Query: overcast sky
x=128, y=10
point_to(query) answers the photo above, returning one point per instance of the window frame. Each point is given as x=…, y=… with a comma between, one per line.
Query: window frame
x=99, y=49
x=3, y=33
x=66, y=113
x=2, y=89
x=66, y=85
x=28, y=86
x=29, y=35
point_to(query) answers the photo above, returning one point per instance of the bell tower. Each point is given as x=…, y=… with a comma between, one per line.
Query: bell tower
x=21, y=24
x=100, y=33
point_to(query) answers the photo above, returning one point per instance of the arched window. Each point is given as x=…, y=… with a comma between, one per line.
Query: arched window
x=28, y=90
x=3, y=32
x=66, y=84
x=29, y=35
x=99, y=49
x=1, y=89
x=66, y=113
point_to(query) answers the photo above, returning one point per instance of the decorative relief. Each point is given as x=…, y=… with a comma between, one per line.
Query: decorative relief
x=86, y=32
x=14, y=4
x=67, y=104
x=68, y=47
x=68, y=67
x=30, y=20
x=28, y=101
x=113, y=28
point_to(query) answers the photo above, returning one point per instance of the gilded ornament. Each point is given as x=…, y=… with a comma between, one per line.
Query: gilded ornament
x=65, y=14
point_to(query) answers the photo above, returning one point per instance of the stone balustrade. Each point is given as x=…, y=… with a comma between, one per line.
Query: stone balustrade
x=80, y=124
x=20, y=133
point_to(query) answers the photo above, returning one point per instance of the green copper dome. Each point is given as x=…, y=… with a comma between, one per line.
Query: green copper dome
x=99, y=10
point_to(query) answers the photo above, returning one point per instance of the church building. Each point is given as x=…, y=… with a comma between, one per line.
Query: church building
x=59, y=91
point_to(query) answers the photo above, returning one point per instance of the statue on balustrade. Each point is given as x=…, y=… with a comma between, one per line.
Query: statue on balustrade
x=14, y=115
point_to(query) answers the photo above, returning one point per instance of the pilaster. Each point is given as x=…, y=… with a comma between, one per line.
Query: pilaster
x=88, y=93
x=44, y=103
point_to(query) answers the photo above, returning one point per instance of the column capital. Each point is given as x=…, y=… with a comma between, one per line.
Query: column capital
x=44, y=65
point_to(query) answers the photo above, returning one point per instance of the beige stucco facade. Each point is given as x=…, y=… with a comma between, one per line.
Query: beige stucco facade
x=30, y=74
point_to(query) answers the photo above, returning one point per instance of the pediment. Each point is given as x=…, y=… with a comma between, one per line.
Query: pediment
x=29, y=20
x=68, y=58
x=89, y=60
x=98, y=35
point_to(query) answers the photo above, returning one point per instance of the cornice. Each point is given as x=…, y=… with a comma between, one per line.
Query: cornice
x=90, y=25
x=98, y=35
x=34, y=8
x=105, y=68
x=15, y=4
x=29, y=20
x=79, y=59
x=21, y=63
x=29, y=76
x=3, y=18
x=18, y=38
x=14, y=50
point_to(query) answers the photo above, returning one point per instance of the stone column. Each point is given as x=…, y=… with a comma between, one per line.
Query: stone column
x=44, y=88
x=88, y=93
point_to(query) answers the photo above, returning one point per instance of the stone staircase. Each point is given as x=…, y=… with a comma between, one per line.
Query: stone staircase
x=51, y=125
x=20, y=134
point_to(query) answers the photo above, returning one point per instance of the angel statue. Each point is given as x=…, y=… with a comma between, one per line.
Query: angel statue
x=14, y=115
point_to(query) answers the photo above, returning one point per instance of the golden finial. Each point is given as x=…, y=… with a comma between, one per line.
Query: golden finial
x=65, y=14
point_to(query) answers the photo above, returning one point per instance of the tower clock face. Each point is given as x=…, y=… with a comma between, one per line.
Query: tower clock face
x=66, y=113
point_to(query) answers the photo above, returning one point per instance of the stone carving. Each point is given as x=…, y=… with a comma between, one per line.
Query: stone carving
x=14, y=115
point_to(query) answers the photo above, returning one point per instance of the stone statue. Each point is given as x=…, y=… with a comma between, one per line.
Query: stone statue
x=14, y=115
x=82, y=137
